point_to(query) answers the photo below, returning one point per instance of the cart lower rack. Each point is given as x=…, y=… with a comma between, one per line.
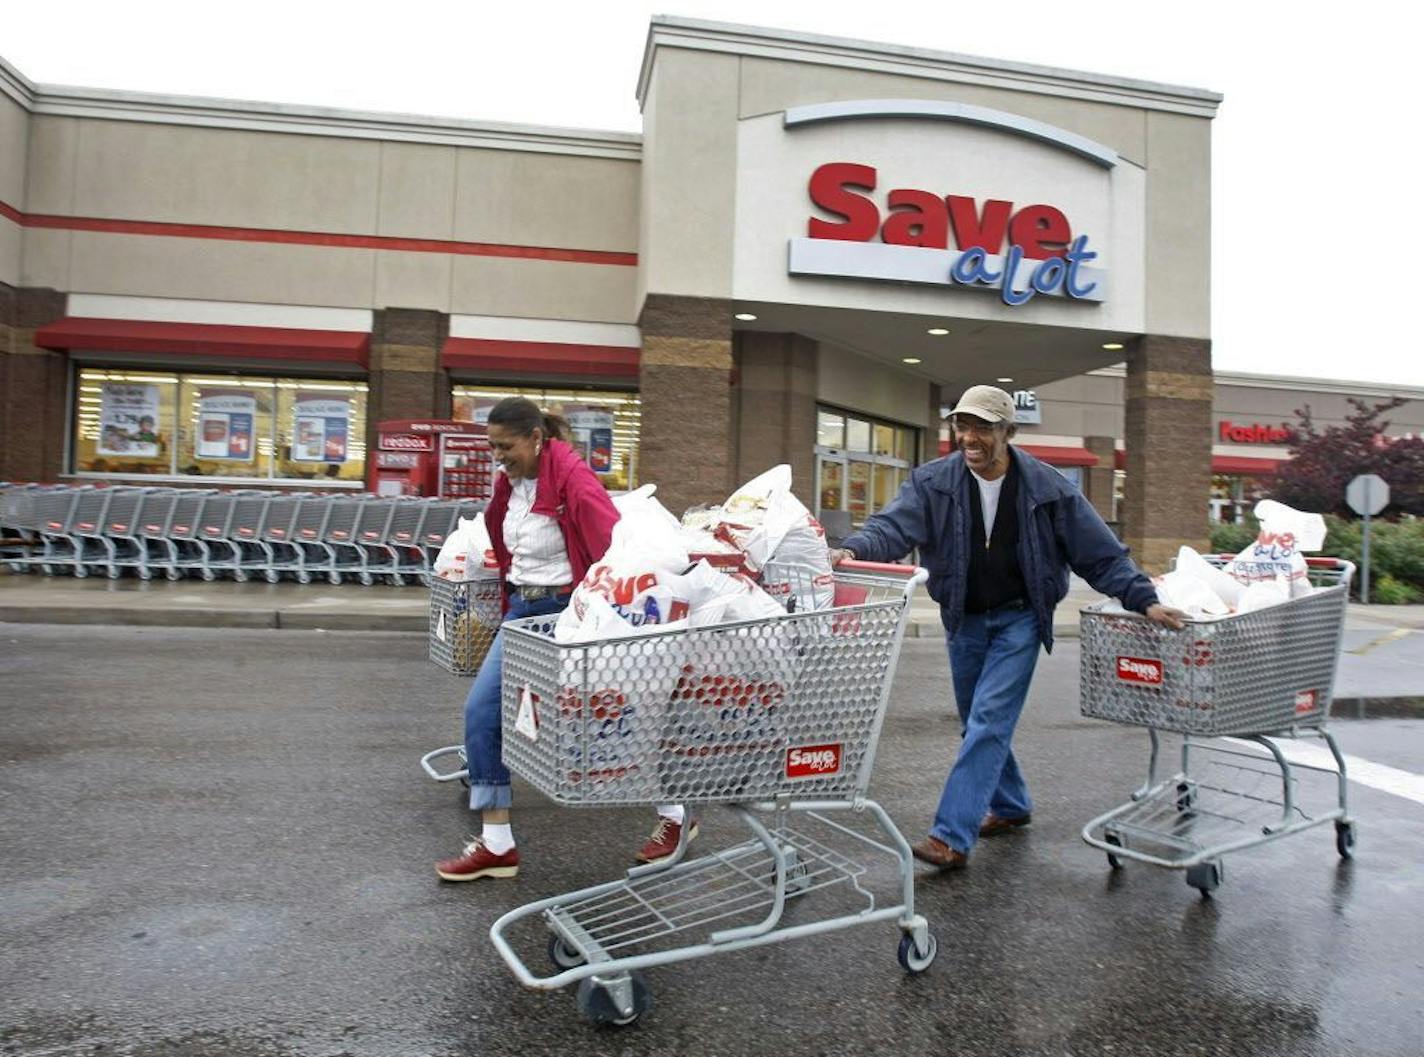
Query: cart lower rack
x=1235, y=689
x=778, y=719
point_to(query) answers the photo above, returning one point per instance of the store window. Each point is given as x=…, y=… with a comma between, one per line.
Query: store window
x=861, y=462
x=606, y=423
x=227, y=428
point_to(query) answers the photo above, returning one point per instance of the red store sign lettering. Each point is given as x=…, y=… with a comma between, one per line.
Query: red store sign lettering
x=1255, y=433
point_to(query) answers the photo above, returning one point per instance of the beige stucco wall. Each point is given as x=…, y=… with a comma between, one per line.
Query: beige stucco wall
x=689, y=175
x=860, y=384
x=1161, y=183
x=129, y=170
x=14, y=141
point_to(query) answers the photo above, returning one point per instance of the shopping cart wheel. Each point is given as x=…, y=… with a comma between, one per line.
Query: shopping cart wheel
x=239, y=576
x=334, y=579
x=303, y=577
x=115, y=572
x=175, y=574
x=595, y=1002
x=272, y=576
x=911, y=960
x=81, y=571
x=1205, y=877
x=209, y=575
x=562, y=955
x=1345, y=839
x=1116, y=842
x=48, y=570
x=145, y=574
x=367, y=579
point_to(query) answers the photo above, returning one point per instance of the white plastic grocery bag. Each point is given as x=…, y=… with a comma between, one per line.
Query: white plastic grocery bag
x=1279, y=548
x=479, y=556
x=455, y=551
x=639, y=576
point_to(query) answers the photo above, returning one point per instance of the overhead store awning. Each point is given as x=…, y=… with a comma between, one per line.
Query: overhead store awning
x=211, y=339
x=1053, y=454
x=1244, y=465
x=540, y=358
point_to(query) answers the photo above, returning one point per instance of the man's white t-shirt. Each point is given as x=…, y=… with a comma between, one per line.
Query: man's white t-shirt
x=989, y=500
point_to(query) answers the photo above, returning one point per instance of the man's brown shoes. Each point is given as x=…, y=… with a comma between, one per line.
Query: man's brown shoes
x=993, y=825
x=937, y=853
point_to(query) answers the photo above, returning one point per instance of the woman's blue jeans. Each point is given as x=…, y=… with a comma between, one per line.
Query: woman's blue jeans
x=484, y=740
x=991, y=661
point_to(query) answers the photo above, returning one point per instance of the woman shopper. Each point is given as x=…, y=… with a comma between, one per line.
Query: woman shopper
x=549, y=520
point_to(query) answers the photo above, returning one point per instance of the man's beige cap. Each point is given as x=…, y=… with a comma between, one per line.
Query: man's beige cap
x=987, y=402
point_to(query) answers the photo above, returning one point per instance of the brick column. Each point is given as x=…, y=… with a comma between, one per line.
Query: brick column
x=406, y=378
x=1169, y=398
x=687, y=446
x=34, y=383
x=776, y=408
x=1098, y=480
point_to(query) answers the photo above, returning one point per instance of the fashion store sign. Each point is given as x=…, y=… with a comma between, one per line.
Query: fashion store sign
x=921, y=236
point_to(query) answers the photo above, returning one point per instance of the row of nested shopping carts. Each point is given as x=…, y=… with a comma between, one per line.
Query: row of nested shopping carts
x=247, y=534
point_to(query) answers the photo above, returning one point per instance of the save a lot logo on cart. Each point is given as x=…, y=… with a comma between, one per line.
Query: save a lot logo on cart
x=948, y=239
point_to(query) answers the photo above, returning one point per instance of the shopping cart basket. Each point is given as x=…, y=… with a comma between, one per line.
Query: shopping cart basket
x=464, y=619
x=1233, y=689
x=776, y=718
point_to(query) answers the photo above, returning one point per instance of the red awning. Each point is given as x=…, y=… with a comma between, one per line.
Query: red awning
x=211, y=339
x=1246, y=465
x=1056, y=455
x=540, y=357
x=1053, y=454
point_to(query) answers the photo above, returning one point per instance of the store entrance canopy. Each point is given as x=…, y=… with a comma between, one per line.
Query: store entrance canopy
x=544, y=358
x=206, y=339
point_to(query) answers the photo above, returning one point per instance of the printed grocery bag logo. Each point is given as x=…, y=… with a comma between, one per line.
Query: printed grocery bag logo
x=1305, y=702
x=1139, y=670
x=813, y=761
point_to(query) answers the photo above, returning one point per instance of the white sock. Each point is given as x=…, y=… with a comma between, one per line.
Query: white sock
x=672, y=812
x=498, y=838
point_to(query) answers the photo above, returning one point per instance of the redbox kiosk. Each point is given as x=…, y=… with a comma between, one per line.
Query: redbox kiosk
x=431, y=457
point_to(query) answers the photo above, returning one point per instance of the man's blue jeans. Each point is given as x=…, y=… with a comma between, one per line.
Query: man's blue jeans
x=484, y=740
x=991, y=660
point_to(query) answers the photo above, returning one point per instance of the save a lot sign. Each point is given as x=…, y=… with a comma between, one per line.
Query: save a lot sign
x=914, y=235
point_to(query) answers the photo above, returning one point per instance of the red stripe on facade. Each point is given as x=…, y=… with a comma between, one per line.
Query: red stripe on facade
x=1053, y=454
x=316, y=238
x=541, y=357
x=213, y=339
x=1248, y=465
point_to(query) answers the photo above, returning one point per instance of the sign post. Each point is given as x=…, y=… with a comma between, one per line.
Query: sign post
x=1366, y=495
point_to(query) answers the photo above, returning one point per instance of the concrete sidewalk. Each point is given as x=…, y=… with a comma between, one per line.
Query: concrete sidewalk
x=34, y=599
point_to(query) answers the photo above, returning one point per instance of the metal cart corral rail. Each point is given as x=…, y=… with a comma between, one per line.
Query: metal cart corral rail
x=776, y=718
x=1232, y=688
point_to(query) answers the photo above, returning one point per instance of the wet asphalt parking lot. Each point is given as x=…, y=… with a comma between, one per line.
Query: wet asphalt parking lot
x=219, y=842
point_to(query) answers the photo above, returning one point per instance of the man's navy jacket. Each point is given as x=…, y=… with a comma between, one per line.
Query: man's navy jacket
x=1058, y=530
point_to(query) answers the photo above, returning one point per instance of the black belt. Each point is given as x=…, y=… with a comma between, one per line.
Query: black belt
x=535, y=592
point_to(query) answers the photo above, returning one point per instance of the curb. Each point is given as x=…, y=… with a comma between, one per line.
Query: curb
x=268, y=619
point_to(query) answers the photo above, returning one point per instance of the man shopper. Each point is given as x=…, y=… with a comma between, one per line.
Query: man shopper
x=998, y=531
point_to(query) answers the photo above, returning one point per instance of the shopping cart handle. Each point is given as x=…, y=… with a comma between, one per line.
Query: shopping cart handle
x=855, y=565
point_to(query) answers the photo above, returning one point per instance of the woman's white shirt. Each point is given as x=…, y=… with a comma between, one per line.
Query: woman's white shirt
x=535, y=542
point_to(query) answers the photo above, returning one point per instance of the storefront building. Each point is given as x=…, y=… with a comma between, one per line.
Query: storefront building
x=812, y=246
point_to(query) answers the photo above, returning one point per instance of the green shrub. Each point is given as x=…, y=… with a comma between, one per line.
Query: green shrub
x=1390, y=592
x=1232, y=539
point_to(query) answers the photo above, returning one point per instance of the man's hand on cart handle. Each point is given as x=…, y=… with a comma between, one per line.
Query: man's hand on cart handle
x=840, y=554
x=1166, y=616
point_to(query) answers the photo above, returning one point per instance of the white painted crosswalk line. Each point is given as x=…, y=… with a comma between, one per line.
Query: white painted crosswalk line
x=1378, y=776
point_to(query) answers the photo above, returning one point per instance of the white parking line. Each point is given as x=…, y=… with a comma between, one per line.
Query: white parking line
x=1379, y=776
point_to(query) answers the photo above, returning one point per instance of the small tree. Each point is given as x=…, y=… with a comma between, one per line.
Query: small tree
x=1323, y=461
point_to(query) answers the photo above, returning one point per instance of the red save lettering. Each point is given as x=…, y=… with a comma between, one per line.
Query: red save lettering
x=922, y=218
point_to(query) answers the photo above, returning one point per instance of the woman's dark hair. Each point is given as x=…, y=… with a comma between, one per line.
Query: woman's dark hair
x=523, y=417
